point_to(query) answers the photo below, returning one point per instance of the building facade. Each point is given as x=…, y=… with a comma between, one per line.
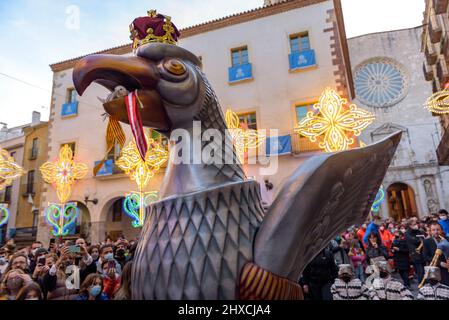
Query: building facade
x=435, y=46
x=269, y=65
x=389, y=82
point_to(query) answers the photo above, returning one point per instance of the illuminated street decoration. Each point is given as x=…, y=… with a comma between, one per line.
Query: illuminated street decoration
x=141, y=172
x=438, y=102
x=62, y=174
x=134, y=204
x=61, y=217
x=9, y=170
x=4, y=214
x=334, y=124
x=243, y=138
x=380, y=197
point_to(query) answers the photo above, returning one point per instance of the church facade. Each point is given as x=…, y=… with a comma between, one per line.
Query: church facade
x=388, y=80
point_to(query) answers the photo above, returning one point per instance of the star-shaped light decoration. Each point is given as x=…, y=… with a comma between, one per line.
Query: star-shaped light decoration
x=242, y=137
x=141, y=172
x=63, y=173
x=334, y=124
x=9, y=170
x=438, y=102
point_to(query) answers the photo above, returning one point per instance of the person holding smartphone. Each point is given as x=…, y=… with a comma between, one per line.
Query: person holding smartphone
x=111, y=279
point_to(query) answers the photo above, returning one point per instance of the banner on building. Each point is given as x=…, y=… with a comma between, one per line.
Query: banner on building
x=279, y=145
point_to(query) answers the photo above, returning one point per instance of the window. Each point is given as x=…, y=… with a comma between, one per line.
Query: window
x=301, y=111
x=239, y=56
x=114, y=153
x=34, y=148
x=30, y=182
x=117, y=210
x=249, y=120
x=7, y=194
x=71, y=95
x=300, y=42
x=72, y=146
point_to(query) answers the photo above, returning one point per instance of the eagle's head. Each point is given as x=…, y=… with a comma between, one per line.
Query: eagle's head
x=167, y=78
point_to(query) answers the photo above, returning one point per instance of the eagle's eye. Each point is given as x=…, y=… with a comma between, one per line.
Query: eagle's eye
x=175, y=67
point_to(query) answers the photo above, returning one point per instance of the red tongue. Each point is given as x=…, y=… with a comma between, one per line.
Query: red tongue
x=136, y=124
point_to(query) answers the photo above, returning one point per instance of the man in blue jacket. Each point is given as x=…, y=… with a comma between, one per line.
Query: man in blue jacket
x=372, y=227
x=444, y=222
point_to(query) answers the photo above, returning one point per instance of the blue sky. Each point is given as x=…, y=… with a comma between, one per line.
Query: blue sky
x=36, y=33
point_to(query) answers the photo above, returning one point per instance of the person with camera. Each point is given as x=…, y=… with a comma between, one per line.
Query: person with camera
x=111, y=279
x=107, y=254
x=55, y=279
x=13, y=281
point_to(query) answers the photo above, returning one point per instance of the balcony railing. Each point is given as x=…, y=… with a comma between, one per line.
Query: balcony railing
x=440, y=6
x=108, y=168
x=431, y=54
x=428, y=72
x=302, y=144
x=240, y=72
x=442, y=70
x=302, y=60
x=435, y=30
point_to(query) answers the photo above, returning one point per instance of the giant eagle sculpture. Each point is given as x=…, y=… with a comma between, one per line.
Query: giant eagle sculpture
x=208, y=237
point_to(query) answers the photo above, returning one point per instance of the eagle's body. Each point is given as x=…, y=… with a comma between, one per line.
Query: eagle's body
x=194, y=246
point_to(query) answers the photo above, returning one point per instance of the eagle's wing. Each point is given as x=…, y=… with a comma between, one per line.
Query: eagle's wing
x=322, y=198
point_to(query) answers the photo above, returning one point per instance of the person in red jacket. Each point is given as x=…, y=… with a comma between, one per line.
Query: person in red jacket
x=361, y=234
x=386, y=236
x=111, y=279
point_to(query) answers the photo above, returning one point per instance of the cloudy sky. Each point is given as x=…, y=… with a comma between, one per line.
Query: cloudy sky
x=36, y=33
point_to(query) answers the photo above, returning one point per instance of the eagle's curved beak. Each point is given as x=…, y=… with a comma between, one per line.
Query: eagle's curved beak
x=133, y=73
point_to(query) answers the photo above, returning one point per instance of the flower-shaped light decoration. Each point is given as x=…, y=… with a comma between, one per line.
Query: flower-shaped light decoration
x=334, y=124
x=4, y=214
x=63, y=173
x=242, y=137
x=438, y=102
x=380, y=197
x=141, y=172
x=9, y=170
x=138, y=170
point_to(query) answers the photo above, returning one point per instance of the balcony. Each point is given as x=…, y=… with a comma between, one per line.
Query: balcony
x=428, y=72
x=442, y=71
x=302, y=60
x=69, y=109
x=440, y=6
x=240, y=73
x=108, y=168
x=302, y=144
x=434, y=28
x=430, y=52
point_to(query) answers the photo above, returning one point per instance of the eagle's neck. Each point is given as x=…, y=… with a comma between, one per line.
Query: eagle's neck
x=198, y=174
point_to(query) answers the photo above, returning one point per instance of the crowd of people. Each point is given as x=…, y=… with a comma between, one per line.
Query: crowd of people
x=379, y=260
x=383, y=260
x=72, y=270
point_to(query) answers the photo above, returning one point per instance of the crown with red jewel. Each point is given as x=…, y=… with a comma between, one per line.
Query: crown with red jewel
x=153, y=28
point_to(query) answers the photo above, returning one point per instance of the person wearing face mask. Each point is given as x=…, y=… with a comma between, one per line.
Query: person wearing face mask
x=121, y=252
x=30, y=292
x=429, y=248
x=107, y=254
x=92, y=288
x=386, y=236
x=111, y=279
x=373, y=227
x=385, y=287
x=347, y=286
x=433, y=289
x=443, y=221
x=415, y=238
x=13, y=281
